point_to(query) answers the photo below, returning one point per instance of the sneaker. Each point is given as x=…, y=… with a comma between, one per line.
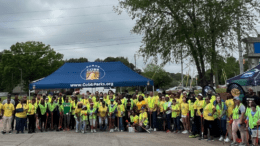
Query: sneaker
x=3, y=132
x=77, y=131
x=227, y=140
x=234, y=144
x=197, y=135
x=10, y=132
x=150, y=129
x=94, y=131
x=122, y=131
x=185, y=132
x=110, y=130
x=82, y=131
x=179, y=132
x=154, y=130
x=115, y=128
x=242, y=144
x=91, y=130
x=210, y=139
x=168, y=131
x=221, y=138
x=192, y=136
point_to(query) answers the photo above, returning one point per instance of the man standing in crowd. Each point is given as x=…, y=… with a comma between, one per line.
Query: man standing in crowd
x=7, y=112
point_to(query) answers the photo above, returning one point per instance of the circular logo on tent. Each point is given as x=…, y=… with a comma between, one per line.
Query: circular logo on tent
x=92, y=72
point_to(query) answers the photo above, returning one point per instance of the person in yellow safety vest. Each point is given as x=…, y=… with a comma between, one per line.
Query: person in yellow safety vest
x=212, y=96
x=103, y=111
x=143, y=118
x=73, y=107
x=50, y=97
x=120, y=115
x=254, y=120
x=82, y=97
x=31, y=115
x=198, y=110
x=192, y=102
x=176, y=116
x=238, y=116
x=220, y=117
x=134, y=118
x=184, y=114
x=230, y=106
x=135, y=99
x=61, y=109
x=168, y=111
x=152, y=107
x=208, y=113
x=21, y=116
x=112, y=110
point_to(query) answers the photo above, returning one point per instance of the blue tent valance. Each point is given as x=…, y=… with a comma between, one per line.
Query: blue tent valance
x=92, y=74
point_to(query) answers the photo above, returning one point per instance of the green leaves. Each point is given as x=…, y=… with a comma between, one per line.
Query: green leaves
x=35, y=59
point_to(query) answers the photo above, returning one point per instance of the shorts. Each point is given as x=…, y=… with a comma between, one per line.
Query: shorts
x=92, y=122
x=183, y=116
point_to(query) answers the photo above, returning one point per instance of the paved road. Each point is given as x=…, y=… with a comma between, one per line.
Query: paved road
x=101, y=139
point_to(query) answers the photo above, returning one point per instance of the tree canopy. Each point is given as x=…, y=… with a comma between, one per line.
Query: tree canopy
x=34, y=59
x=198, y=29
x=160, y=77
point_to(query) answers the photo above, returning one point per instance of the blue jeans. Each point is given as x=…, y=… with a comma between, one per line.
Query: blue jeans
x=77, y=123
x=20, y=124
x=168, y=121
x=121, y=126
x=177, y=123
x=222, y=126
x=154, y=117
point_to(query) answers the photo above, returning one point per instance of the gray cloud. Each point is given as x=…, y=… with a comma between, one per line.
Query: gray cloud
x=74, y=28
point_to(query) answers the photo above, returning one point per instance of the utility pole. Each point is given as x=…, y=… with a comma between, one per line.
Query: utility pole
x=239, y=47
x=181, y=70
x=21, y=80
x=135, y=60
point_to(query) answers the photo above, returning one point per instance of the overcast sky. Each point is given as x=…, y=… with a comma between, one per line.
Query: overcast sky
x=80, y=28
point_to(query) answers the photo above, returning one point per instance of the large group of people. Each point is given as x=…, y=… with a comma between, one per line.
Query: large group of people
x=182, y=112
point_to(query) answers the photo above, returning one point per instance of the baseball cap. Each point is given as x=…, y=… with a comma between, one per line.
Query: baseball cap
x=100, y=98
x=200, y=94
x=236, y=98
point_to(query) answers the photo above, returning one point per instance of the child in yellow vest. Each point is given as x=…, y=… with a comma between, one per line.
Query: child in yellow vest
x=176, y=116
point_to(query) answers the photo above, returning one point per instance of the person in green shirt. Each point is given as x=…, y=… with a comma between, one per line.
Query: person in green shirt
x=66, y=113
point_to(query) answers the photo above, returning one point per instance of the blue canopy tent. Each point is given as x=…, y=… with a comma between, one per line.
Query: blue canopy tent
x=92, y=74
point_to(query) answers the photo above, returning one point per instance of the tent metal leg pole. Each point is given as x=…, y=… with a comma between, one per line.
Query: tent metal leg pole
x=153, y=90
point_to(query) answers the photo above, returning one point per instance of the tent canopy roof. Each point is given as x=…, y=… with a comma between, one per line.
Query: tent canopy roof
x=92, y=74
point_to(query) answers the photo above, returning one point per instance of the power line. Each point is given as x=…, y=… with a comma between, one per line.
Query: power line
x=132, y=38
x=59, y=17
x=67, y=24
x=57, y=9
x=80, y=48
x=3, y=38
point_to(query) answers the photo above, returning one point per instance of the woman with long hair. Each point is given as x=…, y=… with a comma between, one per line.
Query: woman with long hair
x=220, y=117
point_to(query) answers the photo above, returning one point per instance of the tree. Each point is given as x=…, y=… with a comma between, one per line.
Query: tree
x=121, y=59
x=160, y=77
x=98, y=60
x=81, y=59
x=35, y=59
x=199, y=29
